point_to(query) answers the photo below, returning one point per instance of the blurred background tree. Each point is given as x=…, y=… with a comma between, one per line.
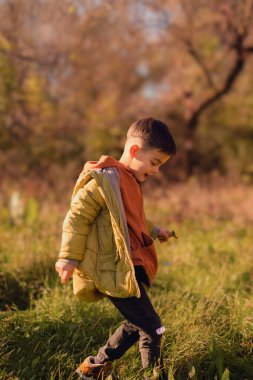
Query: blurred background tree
x=75, y=74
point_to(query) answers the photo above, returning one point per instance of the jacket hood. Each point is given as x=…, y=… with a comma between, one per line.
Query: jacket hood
x=104, y=162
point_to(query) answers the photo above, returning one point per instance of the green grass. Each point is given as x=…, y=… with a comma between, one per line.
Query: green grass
x=203, y=293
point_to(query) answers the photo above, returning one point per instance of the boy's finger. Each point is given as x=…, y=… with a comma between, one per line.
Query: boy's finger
x=58, y=270
x=64, y=277
x=162, y=239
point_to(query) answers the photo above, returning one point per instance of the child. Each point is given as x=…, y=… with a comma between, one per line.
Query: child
x=107, y=244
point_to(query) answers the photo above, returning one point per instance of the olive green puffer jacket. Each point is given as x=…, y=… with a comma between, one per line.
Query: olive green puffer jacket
x=95, y=233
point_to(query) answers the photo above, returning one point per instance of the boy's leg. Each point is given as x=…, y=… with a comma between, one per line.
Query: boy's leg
x=143, y=323
x=122, y=339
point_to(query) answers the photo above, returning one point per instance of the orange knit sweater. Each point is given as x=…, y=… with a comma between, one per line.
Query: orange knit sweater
x=142, y=247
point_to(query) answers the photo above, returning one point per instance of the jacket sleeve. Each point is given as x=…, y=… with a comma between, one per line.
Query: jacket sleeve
x=85, y=207
x=152, y=229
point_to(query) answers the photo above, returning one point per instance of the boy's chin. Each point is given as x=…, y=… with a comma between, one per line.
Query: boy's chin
x=141, y=178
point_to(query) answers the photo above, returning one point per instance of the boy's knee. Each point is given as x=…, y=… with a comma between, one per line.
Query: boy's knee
x=160, y=330
x=152, y=337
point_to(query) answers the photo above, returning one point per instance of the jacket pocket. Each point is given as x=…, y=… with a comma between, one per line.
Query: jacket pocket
x=108, y=262
x=143, y=251
x=148, y=241
x=149, y=255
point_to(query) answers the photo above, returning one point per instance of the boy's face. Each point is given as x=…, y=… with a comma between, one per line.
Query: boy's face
x=146, y=162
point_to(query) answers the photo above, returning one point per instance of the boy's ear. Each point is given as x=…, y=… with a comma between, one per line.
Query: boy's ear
x=133, y=150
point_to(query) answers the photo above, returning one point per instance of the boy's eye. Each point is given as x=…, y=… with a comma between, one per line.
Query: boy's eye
x=153, y=163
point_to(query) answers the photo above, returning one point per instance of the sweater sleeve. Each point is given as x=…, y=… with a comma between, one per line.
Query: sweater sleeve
x=85, y=207
x=152, y=229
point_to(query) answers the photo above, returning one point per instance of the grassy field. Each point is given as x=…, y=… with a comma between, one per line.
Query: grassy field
x=203, y=293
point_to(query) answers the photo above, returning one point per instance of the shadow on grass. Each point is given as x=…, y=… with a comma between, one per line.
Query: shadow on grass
x=19, y=288
x=34, y=348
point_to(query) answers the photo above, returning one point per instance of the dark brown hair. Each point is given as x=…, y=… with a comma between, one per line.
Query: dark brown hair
x=154, y=133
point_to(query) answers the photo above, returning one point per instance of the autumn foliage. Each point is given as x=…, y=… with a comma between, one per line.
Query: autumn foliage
x=75, y=74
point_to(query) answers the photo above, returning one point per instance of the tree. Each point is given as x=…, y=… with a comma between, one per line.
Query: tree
x=76, y=73
x=207, y=45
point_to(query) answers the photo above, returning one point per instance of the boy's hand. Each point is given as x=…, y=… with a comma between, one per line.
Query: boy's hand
x=164, y=235
x=64, y=270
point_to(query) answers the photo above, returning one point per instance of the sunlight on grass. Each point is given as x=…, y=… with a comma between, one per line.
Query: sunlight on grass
x=203, y=293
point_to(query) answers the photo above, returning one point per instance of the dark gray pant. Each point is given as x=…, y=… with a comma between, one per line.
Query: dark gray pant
x=142, y=323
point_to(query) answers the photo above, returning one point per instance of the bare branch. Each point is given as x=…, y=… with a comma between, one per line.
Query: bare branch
x=228, y=83
x=198, y=59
